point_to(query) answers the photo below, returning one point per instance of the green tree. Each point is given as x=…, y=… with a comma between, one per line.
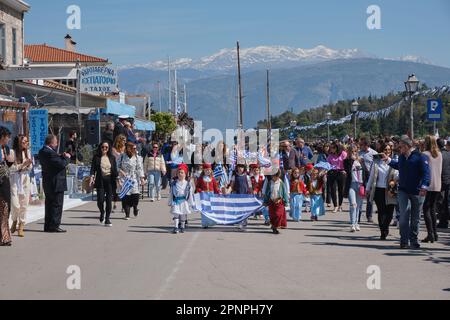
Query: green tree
x=165, y=124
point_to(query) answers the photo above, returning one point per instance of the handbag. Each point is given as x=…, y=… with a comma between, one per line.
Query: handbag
x=362, y=191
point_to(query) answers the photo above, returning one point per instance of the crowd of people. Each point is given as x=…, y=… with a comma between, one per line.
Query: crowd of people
x=395, y=177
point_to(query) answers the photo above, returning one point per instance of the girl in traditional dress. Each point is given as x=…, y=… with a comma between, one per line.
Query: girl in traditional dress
x=257, y=180
x=20, y=183
x=298, y=194
x=315, y=189
x=207, y=182
x=181, y=199
x=276, y=198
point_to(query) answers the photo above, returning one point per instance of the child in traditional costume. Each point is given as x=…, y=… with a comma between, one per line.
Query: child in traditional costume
x=298, y=194
x=181, y=199
x=207, y=183
x=276, y=198
x=257, y=180
x=241, y=184
x=315, y=189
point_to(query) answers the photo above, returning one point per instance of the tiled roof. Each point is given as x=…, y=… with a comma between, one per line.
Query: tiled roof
x=43, y=53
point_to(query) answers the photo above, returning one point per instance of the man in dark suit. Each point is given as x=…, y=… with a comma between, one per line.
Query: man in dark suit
x=54, y=181
x=289, y=156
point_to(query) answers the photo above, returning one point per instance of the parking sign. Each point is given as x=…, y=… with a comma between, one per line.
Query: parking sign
x=434, y=110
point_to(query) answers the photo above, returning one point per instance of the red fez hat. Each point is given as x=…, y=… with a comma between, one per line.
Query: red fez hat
x=183, y=167
x=309, y=167
x=207, y=166
x=254, y=166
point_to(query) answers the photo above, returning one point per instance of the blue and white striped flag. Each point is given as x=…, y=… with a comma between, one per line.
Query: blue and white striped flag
x=220, y=175
x=227, y=210
x=127, y=186
x=264, y=162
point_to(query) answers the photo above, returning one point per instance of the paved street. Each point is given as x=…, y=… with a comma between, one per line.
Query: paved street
x=140, y=259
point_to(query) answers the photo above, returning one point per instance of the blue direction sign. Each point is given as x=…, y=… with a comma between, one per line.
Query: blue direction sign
x=434, y=110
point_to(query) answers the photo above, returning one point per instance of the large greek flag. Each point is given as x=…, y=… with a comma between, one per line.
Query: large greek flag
x=126, y=187
x=227, y=210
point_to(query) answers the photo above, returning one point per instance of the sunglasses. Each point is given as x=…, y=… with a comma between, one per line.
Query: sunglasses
x=105, y=148
x=155, y=147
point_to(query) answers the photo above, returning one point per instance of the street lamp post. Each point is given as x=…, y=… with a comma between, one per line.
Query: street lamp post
x=293, y=126
x=328, y=125
x=355, y=107
x=412, y=86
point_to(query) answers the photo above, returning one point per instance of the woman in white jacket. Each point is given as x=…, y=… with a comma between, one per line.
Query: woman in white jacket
x=382, y=188
x=130, y=167
x=20, y=183
x=155, y=167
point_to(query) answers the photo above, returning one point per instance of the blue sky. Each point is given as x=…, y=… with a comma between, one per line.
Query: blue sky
x=140, y=31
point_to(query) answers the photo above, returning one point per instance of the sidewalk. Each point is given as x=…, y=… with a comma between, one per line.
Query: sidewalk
x=36, y=213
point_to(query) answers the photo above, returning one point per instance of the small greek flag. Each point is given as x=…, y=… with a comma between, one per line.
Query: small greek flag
x=220, y=175
x=227, y=210
x=127, y=186
x=264, y=162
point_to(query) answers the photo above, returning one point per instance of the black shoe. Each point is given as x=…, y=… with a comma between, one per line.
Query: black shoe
x=436, y=237
x=136, y=212
x=102, y=217
x=181, y=230
x=176, y=231
x=428, y=240
x=383, y=237
x=275, y=231
x=404, y=246
x=6, y=244
x=57, y=230
x=415, y=246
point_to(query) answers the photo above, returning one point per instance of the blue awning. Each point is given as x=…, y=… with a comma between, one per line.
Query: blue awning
x=119, y=109
x=143, y=125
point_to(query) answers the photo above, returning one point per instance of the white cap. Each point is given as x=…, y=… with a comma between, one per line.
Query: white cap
x=124, y=117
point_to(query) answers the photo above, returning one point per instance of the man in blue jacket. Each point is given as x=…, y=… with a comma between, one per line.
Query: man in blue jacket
x=414, y=181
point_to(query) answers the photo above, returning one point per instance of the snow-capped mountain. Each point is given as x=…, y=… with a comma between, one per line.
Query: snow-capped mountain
x=411, y=58
x=262, y=56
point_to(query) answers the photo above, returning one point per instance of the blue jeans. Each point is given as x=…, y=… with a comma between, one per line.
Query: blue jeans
x=154, y=182
x=410, y=207
x=356, y=203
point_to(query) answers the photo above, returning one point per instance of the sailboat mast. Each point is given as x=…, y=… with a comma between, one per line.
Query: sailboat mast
x=241, y=115
x=176, y=93
x=185, y=99
x=170, y=85
x=269, y=120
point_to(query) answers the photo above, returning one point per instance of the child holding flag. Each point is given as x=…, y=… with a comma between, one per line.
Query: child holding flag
x=181, y=199
x=207, y=183
x=257, y=180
